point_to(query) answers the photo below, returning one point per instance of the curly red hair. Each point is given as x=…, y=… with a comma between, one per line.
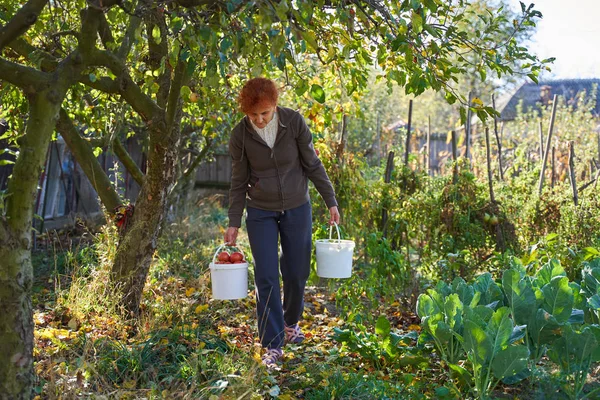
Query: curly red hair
x=257, y=91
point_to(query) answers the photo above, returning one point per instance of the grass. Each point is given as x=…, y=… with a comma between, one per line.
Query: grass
x=185, y=345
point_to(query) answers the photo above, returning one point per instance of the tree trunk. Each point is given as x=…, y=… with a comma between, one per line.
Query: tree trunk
x=16, y=272
x=137, y=246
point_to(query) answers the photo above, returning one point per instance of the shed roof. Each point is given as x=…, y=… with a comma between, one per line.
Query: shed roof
x=534, y=95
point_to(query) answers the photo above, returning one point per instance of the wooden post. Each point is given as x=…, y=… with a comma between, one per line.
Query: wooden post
x=407, y=148
x=468, y=128
x=378, y=135
x=598, y=134
x=552, y=177
x=541, y=141
x=489, y=164
x=386, y=178
x=498, y=140
x=454, y=158
x=428, y=165
x=572, y=171
x=548, y=141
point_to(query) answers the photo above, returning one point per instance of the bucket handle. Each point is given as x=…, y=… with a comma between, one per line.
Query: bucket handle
x=339, y=239
x=225, y=245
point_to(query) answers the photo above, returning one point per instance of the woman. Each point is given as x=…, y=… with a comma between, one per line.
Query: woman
x=272, y=158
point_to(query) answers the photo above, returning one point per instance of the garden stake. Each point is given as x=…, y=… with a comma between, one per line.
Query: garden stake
x=428, y=165
x=387, y=177
x=541, y=182
x=489, y=164
x=468, y=127
x=572, y=171
x=407, y=149
x=498, y=140
x=454, y=158
x=552, y=179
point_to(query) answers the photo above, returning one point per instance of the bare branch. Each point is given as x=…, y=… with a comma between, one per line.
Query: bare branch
x=197, y=3
x=21, y=21
x=104, y=31
x=127, y=161
x=24, y=49
x=130, y=91
x=174, y=95
x=21, y=76
x=84, y=155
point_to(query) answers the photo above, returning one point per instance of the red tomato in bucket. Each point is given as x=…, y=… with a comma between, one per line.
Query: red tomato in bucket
x=235, y=257
x=223, y=256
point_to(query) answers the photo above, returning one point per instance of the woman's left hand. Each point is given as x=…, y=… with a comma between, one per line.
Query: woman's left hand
x=334, y=215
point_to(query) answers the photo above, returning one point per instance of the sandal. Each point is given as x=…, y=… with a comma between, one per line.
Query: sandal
x=293, y=334
x=270, y=358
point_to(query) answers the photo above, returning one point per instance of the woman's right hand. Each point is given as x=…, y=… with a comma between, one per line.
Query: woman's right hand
x=231, y=235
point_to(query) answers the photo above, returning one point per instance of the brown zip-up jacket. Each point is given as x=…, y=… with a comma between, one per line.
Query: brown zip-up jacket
x=274, y=179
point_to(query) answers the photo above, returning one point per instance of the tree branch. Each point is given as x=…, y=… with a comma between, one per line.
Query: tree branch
x=24, y=49
x=21, y=76
x=127, y=161
x=130, y=91
x=83, y=153
x=174, y=100
x=159, y=52
x=197, y=3
x=21, y=21
x=199, y=158
x=128, y=39
x=104, y=31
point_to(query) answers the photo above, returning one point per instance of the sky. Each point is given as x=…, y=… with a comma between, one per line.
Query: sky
x=569, y=31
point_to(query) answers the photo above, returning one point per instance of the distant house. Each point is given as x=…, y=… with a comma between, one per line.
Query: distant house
x=535, y=95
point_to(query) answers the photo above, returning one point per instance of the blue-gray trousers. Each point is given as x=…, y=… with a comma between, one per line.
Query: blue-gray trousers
x=294, y=229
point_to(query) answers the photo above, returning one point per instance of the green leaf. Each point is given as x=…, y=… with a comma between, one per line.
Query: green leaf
x=477, y=343
x=558, y=298
x=465, y=292
x=499, y=329
x=382, y=327
x=510, y=362
x=594, y=302
x=520, y=295
x=417, y=22
x=479, y=314
x=310, y=39
x=548, y=271
x=543, y=329
x=577, y=317
x=92, y=77
x=302, y=88
x=590, y=280
x=574, y=350
x=463, y=375
x=490, y=291
x=453, y=308
x=156, y=34
x=317, y=93
x=426, y=306
x=518, y=333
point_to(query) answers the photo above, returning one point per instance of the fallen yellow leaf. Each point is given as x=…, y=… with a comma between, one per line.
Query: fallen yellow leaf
x=201, y=307
x=190, y=291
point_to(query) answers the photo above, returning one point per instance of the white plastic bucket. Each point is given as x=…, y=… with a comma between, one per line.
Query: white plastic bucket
x=334, y=257
x=228, y=281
